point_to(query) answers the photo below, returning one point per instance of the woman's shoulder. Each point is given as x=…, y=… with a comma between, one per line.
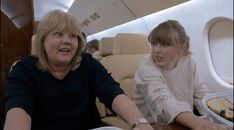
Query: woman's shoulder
x=86, y=56
x=27, y=62
x=24, y=67
x=189, y=59
x=29, y=59
x=148, y=65
x=88, y=60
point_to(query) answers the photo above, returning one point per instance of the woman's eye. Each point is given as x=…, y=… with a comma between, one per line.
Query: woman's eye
x=153, y=43
x=58, y=34
x=73, y=36
x=165, y=44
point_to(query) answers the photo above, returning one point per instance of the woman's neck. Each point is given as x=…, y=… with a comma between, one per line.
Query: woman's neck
x=59, y=72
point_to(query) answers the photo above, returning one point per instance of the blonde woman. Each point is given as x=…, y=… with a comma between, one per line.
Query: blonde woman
x=56, y=89
x=168, y=82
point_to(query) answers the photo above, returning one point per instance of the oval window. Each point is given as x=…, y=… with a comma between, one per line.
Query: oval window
x=221, y=49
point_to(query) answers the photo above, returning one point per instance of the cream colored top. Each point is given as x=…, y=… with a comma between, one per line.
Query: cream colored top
x=162, y=94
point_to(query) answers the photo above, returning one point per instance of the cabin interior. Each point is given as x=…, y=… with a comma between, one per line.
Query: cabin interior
x=122, y=26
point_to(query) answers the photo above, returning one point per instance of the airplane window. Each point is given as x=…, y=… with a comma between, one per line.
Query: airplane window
x=221, y=49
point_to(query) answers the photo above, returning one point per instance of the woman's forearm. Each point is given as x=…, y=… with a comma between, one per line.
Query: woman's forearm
x=187, y=119
x=128, y=111
x=17, y=119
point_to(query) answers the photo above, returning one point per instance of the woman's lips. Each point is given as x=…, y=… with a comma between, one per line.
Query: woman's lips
x=158, y=58
x=64, y=50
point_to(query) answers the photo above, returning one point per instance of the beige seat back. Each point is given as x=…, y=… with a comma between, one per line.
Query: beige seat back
x=106, y=46
x=33, y=49
x=122, y=69
x=128, y=51
x=130, y=43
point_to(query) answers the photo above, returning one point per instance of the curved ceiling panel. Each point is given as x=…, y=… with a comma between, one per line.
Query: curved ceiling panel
x=98, y=15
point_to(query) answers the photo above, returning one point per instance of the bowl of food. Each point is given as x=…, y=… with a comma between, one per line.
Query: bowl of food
x=220, y=107
x=107, y=128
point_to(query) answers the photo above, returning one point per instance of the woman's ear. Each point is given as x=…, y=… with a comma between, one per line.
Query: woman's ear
x=183, y=49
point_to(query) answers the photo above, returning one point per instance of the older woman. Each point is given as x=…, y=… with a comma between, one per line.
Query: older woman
x=56, y=88
x=167, y=81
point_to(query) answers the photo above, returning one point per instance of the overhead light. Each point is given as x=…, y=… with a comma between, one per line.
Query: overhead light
x=94, y=16
x=86, y=22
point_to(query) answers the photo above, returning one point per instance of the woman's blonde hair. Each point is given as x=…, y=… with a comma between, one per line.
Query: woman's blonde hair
x=63, y=21
x=170, y=31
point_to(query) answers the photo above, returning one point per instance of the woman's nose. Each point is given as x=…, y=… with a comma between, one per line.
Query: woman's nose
x=66, y=40
x=157, y=48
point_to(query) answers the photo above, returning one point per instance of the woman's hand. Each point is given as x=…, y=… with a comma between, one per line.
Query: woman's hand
x=143, y=127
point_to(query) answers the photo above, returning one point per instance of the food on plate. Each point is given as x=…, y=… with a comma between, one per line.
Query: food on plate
x=222, y=107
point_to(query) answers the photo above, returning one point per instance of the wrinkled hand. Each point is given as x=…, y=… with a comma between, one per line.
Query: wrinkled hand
x=143, y=127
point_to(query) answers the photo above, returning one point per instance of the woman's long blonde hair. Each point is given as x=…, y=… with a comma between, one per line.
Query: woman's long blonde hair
x=56, y=19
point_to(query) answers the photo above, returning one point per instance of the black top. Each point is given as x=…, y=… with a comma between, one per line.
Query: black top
x=55, y=104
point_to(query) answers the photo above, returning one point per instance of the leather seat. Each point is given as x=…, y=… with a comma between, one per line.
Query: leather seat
x=129, y=49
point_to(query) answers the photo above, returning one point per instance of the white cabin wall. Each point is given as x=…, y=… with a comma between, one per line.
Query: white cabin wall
x=197, y=16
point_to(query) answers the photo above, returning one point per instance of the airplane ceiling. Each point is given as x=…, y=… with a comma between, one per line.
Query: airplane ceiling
x=98, y=15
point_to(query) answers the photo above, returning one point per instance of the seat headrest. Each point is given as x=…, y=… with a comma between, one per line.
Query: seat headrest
x=131, y=43
x=33, y=49
x=106, y=46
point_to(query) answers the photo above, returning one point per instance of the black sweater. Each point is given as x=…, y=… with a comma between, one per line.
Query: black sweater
x=55, y=104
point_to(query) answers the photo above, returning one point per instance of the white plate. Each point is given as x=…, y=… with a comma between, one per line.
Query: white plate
x=219, y=119
x=107, y=128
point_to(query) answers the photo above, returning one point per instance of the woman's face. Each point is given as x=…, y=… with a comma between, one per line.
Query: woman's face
x=60, y=47
x=165, y=55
